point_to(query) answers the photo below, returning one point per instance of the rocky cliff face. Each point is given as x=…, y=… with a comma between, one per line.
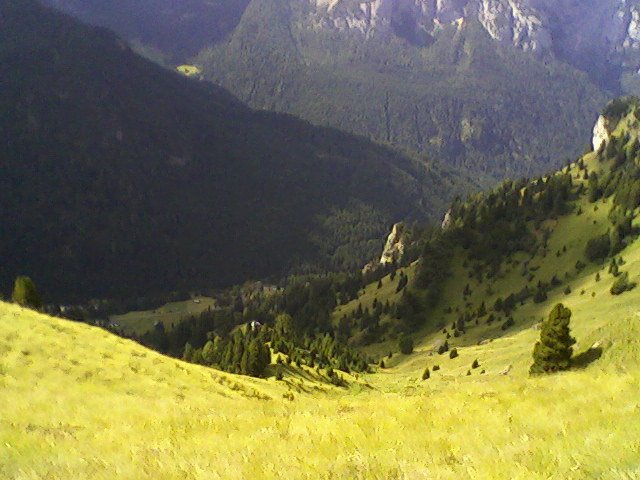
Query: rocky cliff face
x=601, y=35
x=586, y=33
x=601, y=133
x=394, y=248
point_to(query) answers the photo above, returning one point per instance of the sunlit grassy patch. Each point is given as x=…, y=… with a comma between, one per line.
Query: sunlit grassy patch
x=170, y=314
x=189, y=70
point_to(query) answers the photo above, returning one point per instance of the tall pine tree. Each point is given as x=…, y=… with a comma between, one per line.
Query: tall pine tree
x=553, y=352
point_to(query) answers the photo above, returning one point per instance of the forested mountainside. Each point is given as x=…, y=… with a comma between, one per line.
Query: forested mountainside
x=121, y=178
x=462, y=97
x=503, y=88
x=600, y=38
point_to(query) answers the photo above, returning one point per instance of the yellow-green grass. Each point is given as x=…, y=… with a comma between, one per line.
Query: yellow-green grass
x=81, y=403
x=189, y=70
x=169, y=314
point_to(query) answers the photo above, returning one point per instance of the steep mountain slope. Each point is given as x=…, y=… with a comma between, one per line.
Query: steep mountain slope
x=510, y=254
x=488, y=86
x=458, y=95
x=601, y=37
x=120, y=178
x=177, y=30
x=503, y=260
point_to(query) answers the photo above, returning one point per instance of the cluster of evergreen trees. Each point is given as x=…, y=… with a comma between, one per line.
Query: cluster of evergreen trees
x=243, y=353
x=294, y=321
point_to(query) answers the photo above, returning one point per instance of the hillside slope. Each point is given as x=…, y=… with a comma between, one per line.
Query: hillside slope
x=175, y=30
x=85, y=404
x=120, y=178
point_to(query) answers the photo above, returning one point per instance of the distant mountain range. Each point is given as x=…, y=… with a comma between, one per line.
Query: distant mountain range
x=120, y=178
x=502, y=87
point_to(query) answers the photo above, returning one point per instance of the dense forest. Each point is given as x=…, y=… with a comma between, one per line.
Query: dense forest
x=121, y=179
x=460, y=96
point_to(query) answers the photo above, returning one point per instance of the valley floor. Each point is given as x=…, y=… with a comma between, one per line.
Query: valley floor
x=81, y=403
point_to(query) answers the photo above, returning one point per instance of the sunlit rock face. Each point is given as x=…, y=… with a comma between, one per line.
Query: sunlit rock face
x=601, y=133
x=611, y=26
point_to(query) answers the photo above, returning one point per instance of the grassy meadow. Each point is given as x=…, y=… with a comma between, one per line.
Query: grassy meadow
x=142, y=321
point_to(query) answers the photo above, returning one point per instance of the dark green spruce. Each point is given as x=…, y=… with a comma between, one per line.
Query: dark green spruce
x=553, y=352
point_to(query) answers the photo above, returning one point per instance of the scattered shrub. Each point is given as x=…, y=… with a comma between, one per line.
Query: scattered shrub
x=510, y=322
x=443, y=348
x=25, y=293
x=405, y=343
x=453, y=353
x=622, y=284
x=598, y=248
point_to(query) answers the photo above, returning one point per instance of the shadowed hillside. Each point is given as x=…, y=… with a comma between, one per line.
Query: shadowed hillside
x=119, y=178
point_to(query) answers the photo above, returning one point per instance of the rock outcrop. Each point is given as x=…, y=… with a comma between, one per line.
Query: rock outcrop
x=447, y=220
x=601, y=133
x=602, y=32
x=394, y=248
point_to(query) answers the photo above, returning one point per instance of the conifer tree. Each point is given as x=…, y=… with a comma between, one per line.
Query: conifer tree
x=209, y=353
x=25, y=293
x=553, y=352
x=244, y=362
x=255, y=358
x=613, y=267
x=405, y=343
x=188, y=352
x=482, y=310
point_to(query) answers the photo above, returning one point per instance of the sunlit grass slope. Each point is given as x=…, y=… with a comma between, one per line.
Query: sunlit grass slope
x=189, y=70
x=78, y=402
